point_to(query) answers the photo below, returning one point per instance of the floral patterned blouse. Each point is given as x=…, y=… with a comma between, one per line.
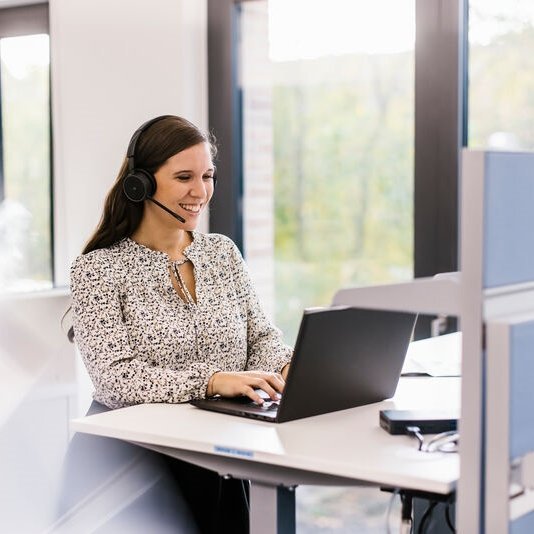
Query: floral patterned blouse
x=142, y=343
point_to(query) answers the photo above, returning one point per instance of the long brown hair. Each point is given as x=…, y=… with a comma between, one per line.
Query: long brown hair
x=121, y=217
x=155, y=146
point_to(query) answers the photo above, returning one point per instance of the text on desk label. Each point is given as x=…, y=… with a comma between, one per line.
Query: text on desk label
x=233, y=452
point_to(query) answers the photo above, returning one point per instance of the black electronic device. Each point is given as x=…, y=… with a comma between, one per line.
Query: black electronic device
x=344, y=357
x=428, y=421
x=139, y=184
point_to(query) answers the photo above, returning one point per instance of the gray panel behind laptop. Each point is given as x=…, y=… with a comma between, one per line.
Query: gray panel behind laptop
x=346, y=357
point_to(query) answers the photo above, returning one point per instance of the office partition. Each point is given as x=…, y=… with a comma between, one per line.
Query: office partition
x=493, y=296
x=505, y=264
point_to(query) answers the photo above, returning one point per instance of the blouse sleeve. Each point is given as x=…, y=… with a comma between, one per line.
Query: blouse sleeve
x=266, y=350
x=119, y=377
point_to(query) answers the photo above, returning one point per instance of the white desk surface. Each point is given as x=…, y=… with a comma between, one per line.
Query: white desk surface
x=347, y=444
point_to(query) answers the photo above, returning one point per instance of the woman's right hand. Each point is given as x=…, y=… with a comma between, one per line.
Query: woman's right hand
x=245, y=383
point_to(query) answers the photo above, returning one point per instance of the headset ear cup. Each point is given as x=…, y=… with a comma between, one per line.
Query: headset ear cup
x=139, y=185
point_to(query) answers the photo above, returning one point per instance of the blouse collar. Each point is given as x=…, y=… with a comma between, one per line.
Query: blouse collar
x=189, y=252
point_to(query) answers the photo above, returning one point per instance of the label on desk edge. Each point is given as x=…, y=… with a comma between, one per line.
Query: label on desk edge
x=233, y=452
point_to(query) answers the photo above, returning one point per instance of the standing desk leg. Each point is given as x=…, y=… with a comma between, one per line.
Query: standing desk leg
x=272, y=509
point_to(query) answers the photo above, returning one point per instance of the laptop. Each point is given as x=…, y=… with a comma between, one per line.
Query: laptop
x=344, y=357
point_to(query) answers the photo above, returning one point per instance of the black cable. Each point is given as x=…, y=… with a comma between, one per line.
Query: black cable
x=426, y=517
x=406, y=508
x=448, y=518
x=217, y=515
x=243, y=487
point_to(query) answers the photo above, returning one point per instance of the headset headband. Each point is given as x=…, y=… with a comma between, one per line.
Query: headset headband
x=130, y=153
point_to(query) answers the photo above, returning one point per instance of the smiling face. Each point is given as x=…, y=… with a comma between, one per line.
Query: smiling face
x=184, y=185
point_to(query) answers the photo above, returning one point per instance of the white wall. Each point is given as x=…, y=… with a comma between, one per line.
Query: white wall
x=115, y=64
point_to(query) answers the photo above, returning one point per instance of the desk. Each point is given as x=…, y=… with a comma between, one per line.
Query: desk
x=341, y=448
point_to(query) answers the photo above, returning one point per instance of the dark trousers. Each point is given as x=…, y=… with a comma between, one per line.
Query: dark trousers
x=218, y=505
x=184, y=499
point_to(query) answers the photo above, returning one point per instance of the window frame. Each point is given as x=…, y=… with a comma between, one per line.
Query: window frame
x=17, y=22
x=440, y=130
x=225, y=117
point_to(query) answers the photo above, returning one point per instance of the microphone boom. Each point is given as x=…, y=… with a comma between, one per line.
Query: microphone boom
x=175, y=215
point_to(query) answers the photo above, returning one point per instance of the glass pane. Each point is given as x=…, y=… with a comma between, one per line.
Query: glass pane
x=328, y=117
x=501, y=74
x=25, y=210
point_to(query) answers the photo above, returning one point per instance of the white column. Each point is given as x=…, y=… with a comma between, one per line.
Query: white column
x=115, y=64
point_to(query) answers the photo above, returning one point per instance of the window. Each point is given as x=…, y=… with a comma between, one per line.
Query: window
x=328, y=134
x=255, y=110
x=501, y=74
x=25, y=172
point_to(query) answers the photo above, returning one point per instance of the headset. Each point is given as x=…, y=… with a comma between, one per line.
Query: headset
x=139, y=184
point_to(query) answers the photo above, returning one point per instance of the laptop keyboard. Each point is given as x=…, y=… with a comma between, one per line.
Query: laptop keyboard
x=267, y=406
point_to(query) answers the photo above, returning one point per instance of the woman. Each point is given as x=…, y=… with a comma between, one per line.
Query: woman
x=161, y=312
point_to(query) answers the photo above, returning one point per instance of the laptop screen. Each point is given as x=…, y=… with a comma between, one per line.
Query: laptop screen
x=344, y=357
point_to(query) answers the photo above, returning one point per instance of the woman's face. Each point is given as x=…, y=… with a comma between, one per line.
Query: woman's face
x=185, y=185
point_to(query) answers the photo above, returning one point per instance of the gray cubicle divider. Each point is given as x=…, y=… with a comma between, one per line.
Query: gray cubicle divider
x=509, y=502
x=498, y=264
x=508, y=218
x=494, y=299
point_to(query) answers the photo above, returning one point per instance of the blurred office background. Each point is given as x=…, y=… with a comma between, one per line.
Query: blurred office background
x=340, y=153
